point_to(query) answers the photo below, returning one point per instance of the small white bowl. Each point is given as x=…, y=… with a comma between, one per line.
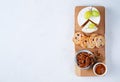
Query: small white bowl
x=96, y=65
x=87, y=52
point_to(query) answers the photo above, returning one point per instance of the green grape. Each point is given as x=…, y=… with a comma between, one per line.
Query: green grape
x=95, y=13
x=91, y=26
x=87, y=14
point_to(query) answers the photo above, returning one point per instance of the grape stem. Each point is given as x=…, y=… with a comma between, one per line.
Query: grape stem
x=91, y=8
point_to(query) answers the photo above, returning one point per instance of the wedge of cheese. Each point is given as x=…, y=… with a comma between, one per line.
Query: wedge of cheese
x=89, y=27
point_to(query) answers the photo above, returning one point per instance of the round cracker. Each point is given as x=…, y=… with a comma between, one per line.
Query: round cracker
x=77, y=37
x=84, y=41
x=99, y=41
x=92, y=41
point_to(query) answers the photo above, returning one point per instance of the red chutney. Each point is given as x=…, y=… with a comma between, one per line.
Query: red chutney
x=100, y=69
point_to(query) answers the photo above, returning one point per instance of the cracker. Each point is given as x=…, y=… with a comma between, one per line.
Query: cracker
x=99, y=41
x=92, y=41
x=84, y=42
x=77, y=37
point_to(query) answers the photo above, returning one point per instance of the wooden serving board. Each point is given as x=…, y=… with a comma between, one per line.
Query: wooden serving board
x=101, y=31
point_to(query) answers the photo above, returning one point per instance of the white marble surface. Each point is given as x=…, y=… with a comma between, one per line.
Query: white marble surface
x=36, y=40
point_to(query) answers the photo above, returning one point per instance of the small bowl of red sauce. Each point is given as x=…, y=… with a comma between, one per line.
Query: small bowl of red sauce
x=100, y=69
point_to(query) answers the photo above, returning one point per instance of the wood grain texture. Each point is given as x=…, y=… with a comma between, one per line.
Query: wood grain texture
x=101, y=31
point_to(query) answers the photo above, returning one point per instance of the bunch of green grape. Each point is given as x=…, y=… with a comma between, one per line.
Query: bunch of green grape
x=91, y=25
x=91, y=13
